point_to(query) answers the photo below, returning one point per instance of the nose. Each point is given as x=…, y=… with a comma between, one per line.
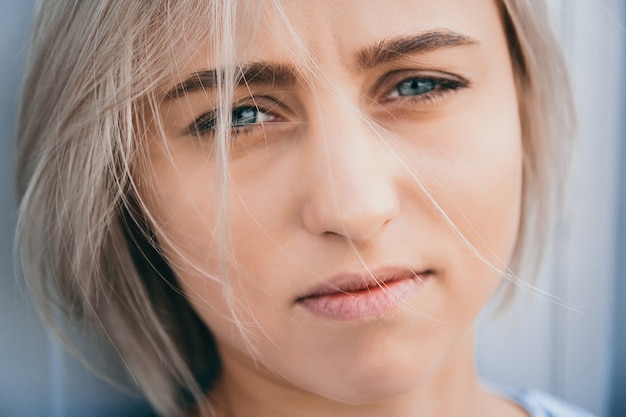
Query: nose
x=354, y=193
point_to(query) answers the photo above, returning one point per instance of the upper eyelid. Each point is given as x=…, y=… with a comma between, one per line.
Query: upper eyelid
x=393, y=78
x=252, y=101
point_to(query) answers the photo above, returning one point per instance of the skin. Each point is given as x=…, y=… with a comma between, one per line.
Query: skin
x=315, y=191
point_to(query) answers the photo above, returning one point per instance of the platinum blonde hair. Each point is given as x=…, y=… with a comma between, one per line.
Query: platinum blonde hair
x=83, y=237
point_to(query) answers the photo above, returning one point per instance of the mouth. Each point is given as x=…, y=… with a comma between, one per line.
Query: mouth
x=352, y=296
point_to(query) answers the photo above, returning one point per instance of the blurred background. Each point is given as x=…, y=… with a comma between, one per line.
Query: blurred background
x=576, y=351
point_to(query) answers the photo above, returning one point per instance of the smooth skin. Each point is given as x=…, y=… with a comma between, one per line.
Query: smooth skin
x=335, y=172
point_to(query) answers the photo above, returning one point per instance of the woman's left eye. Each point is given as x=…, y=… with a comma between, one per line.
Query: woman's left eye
x=425, y=87
x=415, y=87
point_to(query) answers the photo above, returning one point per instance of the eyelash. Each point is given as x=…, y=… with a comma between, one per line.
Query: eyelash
x=441, y=86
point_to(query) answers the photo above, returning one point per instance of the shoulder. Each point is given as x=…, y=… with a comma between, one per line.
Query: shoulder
x=540, y=404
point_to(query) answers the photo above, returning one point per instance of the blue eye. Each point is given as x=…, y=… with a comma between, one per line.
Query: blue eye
x=425, y=88
x=241, y=118
x=244, y=116
x=416, y=87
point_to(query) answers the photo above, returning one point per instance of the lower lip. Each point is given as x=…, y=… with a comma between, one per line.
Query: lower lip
x=364, y=304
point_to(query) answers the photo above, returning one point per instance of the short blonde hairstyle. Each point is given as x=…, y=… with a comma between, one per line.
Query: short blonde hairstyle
x=82, y=234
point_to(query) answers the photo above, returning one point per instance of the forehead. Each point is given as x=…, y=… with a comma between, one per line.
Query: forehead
x=330, y=36
x=337, y=29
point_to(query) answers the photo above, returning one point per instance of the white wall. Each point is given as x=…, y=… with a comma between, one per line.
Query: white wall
x=564, y=350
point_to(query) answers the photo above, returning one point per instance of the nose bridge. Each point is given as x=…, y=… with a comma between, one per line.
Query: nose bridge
x=354, y=193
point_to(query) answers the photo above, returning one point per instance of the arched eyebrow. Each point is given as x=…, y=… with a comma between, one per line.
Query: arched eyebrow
x=398, y=47
x=269, y=73
x=256, y=73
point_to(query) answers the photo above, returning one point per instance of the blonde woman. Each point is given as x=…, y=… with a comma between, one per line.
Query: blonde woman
x=287, y=207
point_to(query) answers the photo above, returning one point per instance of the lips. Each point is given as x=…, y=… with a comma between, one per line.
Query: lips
x=363, y=296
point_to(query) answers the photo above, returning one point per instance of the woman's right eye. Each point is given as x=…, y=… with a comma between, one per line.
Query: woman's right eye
x=243, y=118
x=246, y=116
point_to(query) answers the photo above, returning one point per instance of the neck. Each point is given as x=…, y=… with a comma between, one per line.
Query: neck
x=452, y=390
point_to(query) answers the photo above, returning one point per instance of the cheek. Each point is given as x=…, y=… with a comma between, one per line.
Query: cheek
x=478, y=187
x=483, y=195
x=491, y=197
x=179, y=199
x=478, y=166
x=181, y=196
x=472, y=169
x=179, y=192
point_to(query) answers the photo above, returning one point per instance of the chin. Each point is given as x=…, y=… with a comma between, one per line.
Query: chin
x=375, y=381
x=363, y=392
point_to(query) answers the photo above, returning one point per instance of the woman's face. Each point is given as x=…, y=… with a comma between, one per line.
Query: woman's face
x=356, y=153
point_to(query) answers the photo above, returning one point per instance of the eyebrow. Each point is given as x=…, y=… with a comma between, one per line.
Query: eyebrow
x=396, y=48
x=257, y=73
x=268, y=73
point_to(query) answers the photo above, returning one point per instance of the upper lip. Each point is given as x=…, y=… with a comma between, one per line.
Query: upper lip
x=350, y=282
